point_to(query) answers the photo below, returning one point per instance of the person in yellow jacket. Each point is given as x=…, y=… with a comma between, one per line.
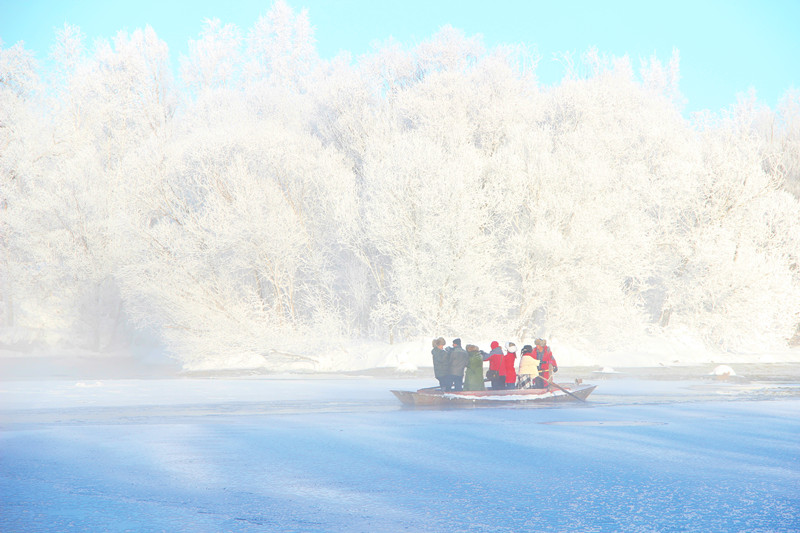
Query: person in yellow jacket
x=528, y=368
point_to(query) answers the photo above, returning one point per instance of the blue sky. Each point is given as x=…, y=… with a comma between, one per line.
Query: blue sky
x=726, y=47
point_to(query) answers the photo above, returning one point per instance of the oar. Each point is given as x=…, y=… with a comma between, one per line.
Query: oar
x=550, y=381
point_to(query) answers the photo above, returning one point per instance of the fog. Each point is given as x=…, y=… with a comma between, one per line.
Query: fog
x=671, y=448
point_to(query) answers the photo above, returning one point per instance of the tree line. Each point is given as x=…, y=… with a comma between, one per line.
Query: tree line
x=265, y=198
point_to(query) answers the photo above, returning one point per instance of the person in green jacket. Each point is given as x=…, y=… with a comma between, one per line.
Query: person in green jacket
x=474, y=375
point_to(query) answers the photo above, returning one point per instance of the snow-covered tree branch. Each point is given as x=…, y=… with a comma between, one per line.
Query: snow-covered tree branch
x=269, y=199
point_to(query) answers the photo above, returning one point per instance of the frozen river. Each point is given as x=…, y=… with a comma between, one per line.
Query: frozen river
x=659, y=450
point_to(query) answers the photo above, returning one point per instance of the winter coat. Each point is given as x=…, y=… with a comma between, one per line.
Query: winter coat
x=474, y=377
x=547, y=362
x=458, y=361
x=441, y=363
x=510, y=364
x=528, y=365
x=496, y=359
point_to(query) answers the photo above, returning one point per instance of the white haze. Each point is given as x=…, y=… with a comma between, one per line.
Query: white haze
x=271, y=209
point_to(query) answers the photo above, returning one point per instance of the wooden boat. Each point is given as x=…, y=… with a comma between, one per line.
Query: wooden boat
x=434, y=396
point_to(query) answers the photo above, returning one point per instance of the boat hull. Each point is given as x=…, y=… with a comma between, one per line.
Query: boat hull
x=435, y=397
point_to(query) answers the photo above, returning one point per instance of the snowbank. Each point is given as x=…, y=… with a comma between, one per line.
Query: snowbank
x=405, y=357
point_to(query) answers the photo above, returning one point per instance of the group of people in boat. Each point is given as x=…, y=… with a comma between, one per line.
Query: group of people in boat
x=461, y=369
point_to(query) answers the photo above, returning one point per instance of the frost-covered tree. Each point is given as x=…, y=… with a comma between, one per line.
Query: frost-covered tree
x=89, y=162
x=782, y=136
x=214, y=58
x=20, y=149
x=272, y=200
x=235, y=258
x=735, y=250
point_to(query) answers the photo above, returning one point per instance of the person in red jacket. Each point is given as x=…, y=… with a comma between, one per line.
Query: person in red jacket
x=547, y=363
x=497, y=371
x=510, y=364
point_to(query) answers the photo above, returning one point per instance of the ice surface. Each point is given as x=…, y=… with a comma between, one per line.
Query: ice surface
x=657, y=450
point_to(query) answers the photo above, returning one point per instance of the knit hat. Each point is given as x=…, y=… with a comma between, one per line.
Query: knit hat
x=457, y=342
x=495, y=344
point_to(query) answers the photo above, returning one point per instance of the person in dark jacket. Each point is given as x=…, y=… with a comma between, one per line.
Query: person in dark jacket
x=441, y=364
x=474, y=377
x=459, y=359
x=497, y=371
